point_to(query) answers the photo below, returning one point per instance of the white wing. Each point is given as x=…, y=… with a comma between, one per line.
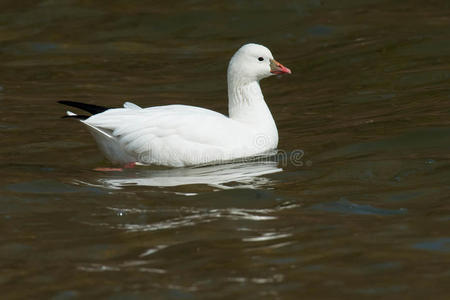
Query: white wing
x=174, y=135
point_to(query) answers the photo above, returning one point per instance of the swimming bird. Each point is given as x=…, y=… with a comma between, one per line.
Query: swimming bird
x=183, y=135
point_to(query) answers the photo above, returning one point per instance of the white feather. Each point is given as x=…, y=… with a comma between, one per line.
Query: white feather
x=131, y=105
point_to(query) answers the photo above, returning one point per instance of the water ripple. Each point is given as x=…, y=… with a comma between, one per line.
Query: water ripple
x=345, y=206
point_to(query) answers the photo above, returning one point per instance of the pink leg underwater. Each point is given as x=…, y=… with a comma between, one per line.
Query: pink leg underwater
x=127, y=166
x=130, y=165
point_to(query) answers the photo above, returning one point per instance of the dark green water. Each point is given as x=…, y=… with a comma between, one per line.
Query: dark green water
x=364, y=213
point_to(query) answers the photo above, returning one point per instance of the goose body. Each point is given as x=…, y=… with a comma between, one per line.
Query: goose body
x=182, y=135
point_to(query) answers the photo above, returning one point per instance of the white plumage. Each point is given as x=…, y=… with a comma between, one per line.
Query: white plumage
x=181, y=135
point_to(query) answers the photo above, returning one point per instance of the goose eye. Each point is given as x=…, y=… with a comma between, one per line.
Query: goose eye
x=260, y=58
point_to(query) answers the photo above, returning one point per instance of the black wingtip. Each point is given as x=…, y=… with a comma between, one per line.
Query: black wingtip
x=91, y=108
x=79, y=117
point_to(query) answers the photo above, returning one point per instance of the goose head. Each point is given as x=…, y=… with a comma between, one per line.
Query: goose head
x=253, y=62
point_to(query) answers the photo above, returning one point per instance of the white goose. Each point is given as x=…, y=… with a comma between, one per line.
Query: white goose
x=182, y=135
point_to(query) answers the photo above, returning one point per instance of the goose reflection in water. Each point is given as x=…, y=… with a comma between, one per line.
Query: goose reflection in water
x=224, y=176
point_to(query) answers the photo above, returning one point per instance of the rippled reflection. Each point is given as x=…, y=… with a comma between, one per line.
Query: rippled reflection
x=227, y=176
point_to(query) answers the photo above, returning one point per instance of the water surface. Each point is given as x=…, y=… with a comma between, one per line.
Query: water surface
x=361, y=212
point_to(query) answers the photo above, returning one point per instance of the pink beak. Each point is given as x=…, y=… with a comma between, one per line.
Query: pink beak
x=277, y=68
